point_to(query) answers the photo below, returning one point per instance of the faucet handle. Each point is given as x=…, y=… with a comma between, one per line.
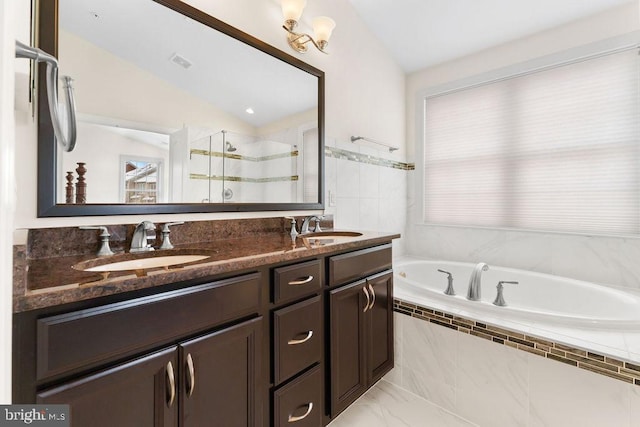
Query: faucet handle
x=499, y=301
x=317, y=228
x=293, y=231
x=449, y=290
x=104, y=249
x=166, y=243
x=165, y=227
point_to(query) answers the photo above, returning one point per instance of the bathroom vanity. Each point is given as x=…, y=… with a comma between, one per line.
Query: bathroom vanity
x=287, y=336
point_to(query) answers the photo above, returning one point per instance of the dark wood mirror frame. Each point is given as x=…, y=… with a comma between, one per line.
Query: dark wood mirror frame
x=47, y=152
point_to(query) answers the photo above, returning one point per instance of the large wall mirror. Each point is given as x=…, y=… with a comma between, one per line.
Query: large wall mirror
x=177, y=112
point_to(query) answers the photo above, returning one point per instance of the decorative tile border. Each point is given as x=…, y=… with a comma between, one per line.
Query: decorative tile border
x=338, y=153
x=593, y=362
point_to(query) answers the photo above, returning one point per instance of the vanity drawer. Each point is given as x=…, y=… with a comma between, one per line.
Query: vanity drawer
x=299, y=403
x=297, y=338
x=83, y=339
x=355, y=265
x=296, y=280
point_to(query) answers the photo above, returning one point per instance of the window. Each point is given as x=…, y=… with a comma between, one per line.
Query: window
x=556, y=149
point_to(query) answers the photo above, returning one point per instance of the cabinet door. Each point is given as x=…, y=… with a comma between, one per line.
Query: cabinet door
x=380, y=326
x=220, y=377
x=140, y=393
x=348, y=344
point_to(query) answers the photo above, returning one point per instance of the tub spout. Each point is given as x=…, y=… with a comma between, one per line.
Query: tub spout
x=474, y=291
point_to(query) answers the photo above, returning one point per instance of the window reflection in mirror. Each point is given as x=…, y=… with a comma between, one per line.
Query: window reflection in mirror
x=140, y=180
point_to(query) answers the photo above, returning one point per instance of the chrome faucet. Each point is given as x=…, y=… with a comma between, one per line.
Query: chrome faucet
x=141, y=237
x=475, y=288
x=305, y=224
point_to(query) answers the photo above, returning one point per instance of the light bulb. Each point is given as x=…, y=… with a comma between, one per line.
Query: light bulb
x=292, y=9
x=323, y=27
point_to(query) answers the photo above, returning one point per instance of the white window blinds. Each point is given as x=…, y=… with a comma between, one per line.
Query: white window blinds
x=556, y=150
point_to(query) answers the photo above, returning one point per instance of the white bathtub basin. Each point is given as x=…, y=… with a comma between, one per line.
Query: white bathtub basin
x=538, y=298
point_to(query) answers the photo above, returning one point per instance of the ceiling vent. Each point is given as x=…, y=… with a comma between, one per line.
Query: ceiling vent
x=181, y=61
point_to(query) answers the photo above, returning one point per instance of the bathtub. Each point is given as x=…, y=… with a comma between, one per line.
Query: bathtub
x=538, y=299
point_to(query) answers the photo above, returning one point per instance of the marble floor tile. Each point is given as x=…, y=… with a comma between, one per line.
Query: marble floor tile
x=386, y=405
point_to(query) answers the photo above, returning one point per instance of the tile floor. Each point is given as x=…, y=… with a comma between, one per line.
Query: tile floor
x=386, y=405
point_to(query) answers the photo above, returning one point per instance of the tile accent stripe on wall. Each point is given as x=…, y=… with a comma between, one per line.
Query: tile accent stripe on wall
x=208, y=153
x=338, y=153
x=593, y=362
x=241, y=178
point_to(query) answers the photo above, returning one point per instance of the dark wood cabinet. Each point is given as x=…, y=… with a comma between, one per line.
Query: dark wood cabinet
x=380, y=327
x=298, y=339
x=103, y=361
x=219, y=381
x=140, y=393
x=348, y=345
x=361, y=337
x=299, y=403
x=282, y=344
x=213, y=377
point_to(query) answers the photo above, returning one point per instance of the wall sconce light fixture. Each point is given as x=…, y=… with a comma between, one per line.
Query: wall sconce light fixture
x=322, y=27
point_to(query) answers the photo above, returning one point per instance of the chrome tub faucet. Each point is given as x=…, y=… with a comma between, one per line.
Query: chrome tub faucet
x=475, y=288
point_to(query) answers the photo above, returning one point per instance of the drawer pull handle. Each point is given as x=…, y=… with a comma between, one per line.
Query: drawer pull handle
x=366, y=293
x=301, y=281
x=171, y=389
x=305, y=339
x=293, y=419
x=191, y=378
x=373, y=296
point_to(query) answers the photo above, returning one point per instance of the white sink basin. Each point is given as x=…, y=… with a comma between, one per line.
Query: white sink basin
x=331, y=234
x=323, y=238
x=141, y=265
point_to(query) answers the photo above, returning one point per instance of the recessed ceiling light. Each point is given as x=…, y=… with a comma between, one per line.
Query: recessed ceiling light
x=249, y=110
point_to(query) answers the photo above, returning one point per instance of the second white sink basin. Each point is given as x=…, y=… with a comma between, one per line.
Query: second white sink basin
x=331, y=234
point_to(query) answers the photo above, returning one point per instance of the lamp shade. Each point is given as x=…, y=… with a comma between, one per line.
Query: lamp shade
x=323, y=27
x=292, y=9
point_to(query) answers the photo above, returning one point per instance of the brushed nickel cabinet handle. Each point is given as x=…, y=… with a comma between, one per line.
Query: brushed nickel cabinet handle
x=373, y=295
x=366, y=293
x=301, y=281
x=293, y=419
x=171, y=389
x=191, y=378
x=305, y=339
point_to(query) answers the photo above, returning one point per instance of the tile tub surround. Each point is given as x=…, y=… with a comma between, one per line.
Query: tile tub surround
x=43, y=282
x=495, y=385
x=597, y=363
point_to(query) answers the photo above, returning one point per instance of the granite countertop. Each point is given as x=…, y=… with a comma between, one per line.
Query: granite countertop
x=52, y=281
